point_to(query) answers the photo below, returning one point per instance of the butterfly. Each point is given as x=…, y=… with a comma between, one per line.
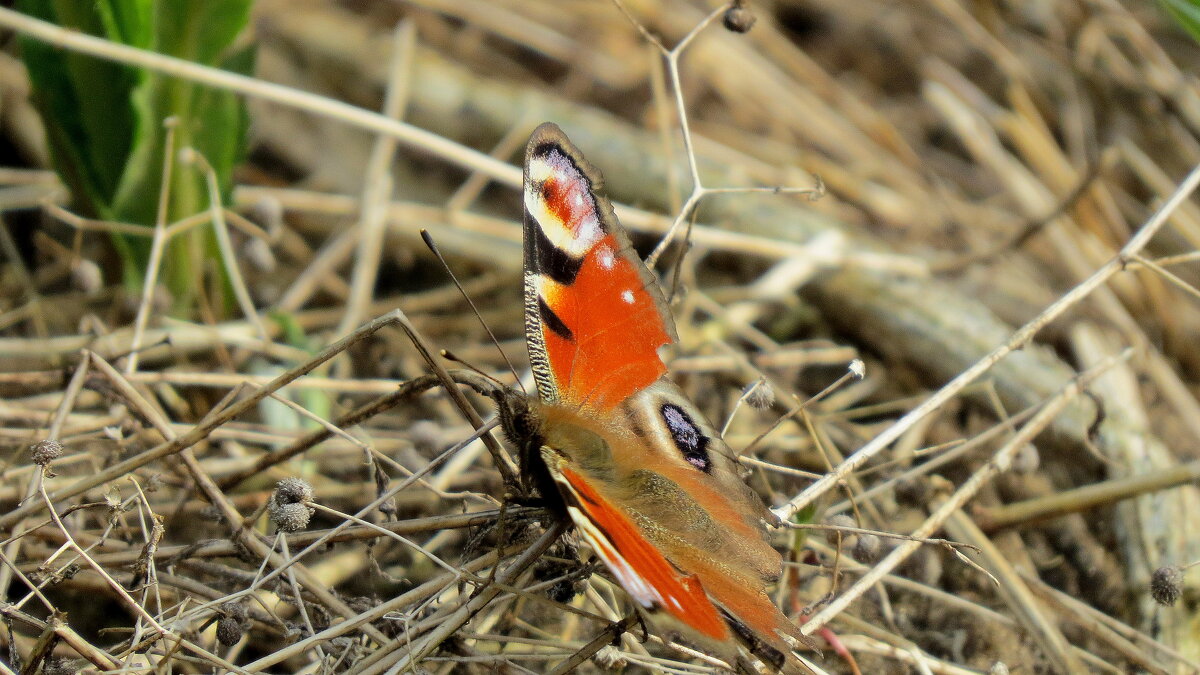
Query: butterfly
x=609, y=439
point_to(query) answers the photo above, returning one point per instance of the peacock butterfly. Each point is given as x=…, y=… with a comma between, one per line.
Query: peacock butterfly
x=647, y=482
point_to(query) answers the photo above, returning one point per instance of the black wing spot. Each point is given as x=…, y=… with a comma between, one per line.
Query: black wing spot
x=553, y=261
x=547, y=149
x=691, y=442
x=553, y=322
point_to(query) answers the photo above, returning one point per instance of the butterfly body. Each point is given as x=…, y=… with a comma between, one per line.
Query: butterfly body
x=647, y=481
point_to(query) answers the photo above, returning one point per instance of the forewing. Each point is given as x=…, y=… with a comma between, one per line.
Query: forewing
x=653, y=582
x=594, y=317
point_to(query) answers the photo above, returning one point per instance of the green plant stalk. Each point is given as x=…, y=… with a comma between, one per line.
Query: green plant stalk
x=105, y=128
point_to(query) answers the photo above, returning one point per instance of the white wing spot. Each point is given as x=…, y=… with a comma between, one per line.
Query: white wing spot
x=627, y=296
x=607, y=259
x=587, y=233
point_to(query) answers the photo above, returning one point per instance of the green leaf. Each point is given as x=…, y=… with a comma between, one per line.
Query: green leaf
x=84, y=101
x=105, y=121
x=1186, y=13
x=126, y=21
x=199, y=30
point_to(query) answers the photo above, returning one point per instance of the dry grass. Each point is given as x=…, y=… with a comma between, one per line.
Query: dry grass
x=994, y=246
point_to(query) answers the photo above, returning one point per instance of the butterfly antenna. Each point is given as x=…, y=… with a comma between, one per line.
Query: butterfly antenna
x=451, y=357
x=428, y=239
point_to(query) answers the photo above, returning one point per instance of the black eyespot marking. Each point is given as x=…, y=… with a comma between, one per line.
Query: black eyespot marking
x=692, y=442
x=553, y=322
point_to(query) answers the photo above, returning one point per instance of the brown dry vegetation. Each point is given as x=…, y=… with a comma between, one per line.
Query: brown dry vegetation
x=981, y=160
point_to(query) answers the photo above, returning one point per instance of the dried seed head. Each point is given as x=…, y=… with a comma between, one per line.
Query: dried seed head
x=839, y=520
x=866, y=549
x=293, y=491
x=291, y=518
x=289, y=508
x=233, y=623
x=44, y=452
x=86, y=276
x=760, y=395
x=1166, y=584
x=739, y=18
x=229, y=631
x=915, y=491
x=234, y=610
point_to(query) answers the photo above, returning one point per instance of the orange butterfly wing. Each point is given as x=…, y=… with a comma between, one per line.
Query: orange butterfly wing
x=639, y=567
x=594, y=317
x=594, y=320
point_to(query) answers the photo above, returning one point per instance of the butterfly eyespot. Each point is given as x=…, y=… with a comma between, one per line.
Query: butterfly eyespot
x=691, y=442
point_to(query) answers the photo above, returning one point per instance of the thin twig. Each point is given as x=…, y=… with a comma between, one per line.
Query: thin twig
x=999, y=463
x=1019, y=339
x=157, y=245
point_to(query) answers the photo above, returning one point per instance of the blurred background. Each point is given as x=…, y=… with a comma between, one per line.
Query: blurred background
x=979, y=160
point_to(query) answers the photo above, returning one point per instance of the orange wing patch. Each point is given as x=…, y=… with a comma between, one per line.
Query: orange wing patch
x=615, y=331
x=593, y=313
x=639, y=567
